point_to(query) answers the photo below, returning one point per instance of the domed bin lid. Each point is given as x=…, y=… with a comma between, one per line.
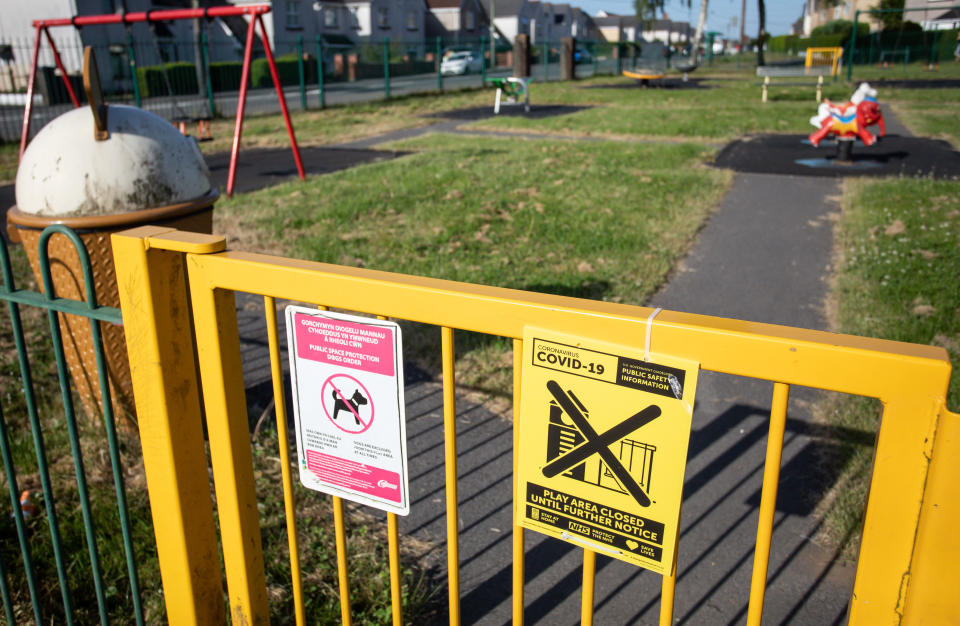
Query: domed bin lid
x=144, y=162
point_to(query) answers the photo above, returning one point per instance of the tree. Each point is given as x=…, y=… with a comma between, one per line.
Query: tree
x=890, y=21
x=647, y=9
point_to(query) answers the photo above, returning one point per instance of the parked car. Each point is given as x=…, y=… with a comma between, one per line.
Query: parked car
x=461, y=63
x=582, y=55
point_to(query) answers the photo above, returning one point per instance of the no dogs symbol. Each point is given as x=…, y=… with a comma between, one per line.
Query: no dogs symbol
x=347, y=403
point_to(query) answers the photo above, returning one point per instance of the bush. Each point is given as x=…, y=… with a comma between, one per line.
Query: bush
x=182, y=76
x=225, y=75
x=287, y=69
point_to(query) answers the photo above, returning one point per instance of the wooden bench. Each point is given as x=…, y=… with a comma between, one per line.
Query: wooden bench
x=769, y=72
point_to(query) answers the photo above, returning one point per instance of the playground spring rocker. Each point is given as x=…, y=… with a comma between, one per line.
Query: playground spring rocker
x=848, y=121
x=255, y=13
x=515, y=88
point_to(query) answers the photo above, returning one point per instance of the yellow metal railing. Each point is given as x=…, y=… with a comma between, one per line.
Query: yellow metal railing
x=819, y=57
x=908, y=545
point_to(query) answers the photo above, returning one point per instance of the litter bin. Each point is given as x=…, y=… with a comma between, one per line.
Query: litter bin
x=141, y=171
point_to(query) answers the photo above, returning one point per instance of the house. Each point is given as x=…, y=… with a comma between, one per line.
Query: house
x=396, y=20
x=616, y=28
x=511, y=17
x=669, y=32
x=562, y=22
x=936, y=14
x=155, y=43
x=819, y=12
x=582, y=26
x=456, y=20
x=610, y=27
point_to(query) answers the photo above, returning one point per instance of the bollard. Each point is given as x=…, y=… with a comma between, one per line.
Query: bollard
x=439, y=61
x=763, y=94
x=320, y=72
x=819, y=88
x=301, y=73
x=205, y=43
x=386, y=68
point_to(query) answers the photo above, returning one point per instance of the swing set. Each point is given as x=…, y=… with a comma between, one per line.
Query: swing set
x=255, y=12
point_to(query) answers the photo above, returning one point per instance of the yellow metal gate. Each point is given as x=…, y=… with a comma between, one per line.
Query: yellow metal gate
x=175, y=286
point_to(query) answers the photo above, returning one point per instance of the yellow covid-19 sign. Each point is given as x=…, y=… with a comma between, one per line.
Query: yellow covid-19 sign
x=603, y=445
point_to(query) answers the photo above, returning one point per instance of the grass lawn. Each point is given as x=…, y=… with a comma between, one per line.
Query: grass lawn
x=896, y=278
x=602, y=220
x=723, y=108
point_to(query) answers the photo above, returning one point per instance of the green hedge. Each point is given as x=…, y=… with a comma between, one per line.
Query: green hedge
x=182, y=75
x=287, y=68
x=225, y=75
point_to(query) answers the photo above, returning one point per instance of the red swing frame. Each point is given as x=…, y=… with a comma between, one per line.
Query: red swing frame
x=255, y=12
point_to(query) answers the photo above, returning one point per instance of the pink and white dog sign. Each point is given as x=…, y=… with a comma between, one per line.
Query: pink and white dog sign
x=347, y=378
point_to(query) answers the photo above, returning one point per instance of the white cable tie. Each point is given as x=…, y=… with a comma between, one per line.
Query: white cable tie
x=646, y=347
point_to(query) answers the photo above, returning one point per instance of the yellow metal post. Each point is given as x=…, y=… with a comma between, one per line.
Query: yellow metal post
x=283, y=442
x=153, y=298
x=586, y=590
x=339, y=528
x=393, y=545
x=768, y=502
x=221, y=374
x=450, y=450
x=393, y=541
x=518, y=551
x=932, y=595
x=901, y=462
x=668, y=592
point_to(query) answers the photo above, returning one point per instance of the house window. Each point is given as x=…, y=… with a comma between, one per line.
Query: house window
x=469, y=21
x=383, y=17
x=293, y=13
x=558, y=19
x=355, y=18
x=330, y=18
x=411, y=20
x=823, y=14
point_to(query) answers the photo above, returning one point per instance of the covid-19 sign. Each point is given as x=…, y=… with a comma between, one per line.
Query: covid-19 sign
x=603, y=445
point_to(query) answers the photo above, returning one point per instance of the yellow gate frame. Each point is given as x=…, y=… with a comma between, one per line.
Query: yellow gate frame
x=906, y=570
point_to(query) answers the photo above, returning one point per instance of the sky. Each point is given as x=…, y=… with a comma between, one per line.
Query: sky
x=722, y=15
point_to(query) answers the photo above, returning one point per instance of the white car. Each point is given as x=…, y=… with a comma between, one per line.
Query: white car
x=461, y=63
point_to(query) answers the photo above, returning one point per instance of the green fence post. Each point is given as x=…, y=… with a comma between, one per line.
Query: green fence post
x=302, y=73
x=483, y=61
x=386, y=68
x=133, y=71
x=439, y=61
x=320, y=73
x=853, y=45
x=205, y=45
x=546, y=60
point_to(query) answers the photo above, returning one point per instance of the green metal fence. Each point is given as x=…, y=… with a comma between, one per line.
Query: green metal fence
x=86, y=565
x=201, y=79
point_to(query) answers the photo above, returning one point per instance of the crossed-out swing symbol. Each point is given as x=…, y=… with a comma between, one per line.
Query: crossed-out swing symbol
x=598, y=443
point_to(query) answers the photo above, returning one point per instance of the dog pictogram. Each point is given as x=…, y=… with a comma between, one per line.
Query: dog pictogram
x=347, y=403
x=352, y=404
x=598, y=443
